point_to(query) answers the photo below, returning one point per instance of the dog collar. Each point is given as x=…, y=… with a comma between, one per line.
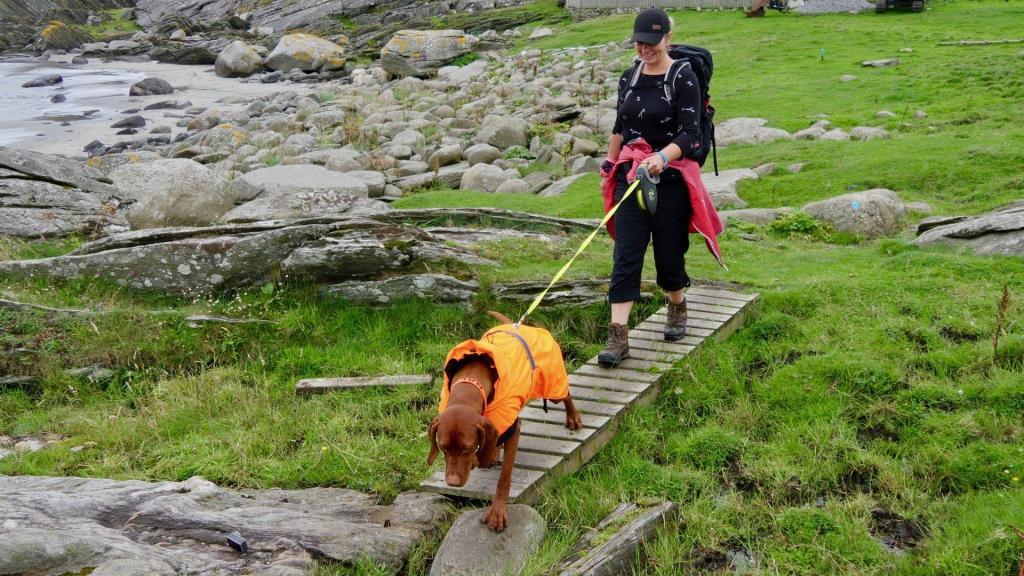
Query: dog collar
x=475, y=383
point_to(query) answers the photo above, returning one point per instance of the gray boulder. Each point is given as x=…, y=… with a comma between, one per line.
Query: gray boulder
x=871, y=213
x=436, y=287
x=421, y=53
x=175, y=192
x=507, y=552
x=447, y=176
x=504, y=132
x=759, y=216
x=460, y=75
x=45, y=195
x=483, y=177
x=722, y=187
x=238, y=60
x=481, y=154
x=58, y=36
x=182, y=527
x=445, y=155
x=998, y=232
x=514, y=186
x=41, y=81
x=560, y=186
x=868, y=133
x=306, y=52
x=150, y=87
x=747, y=131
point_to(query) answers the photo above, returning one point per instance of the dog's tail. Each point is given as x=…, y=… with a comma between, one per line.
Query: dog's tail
x=499, y=317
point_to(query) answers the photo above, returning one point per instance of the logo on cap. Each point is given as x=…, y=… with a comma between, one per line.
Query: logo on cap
x=656, y=27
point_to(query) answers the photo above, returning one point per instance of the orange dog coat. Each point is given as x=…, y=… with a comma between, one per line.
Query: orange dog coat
x=529, y=365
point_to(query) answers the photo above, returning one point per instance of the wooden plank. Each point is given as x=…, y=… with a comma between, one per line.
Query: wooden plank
x=534, y=414
x=715, y=301
x=722, y=293
x=649, y=343
x=666, y=356
x=556, y=431
x=604, y=382
x=605, y=396
x=321, y=385
x=679, y=347
x=536, y=460
x=656, y=331
x=691, y=322
x=585, y=407
x=635, y=370
x=482, y=483
x=547, y=445
x=600, y=554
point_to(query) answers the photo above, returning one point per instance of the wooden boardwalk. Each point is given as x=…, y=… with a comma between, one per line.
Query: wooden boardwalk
x=547, y=450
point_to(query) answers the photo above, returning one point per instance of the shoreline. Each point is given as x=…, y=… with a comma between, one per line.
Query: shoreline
x=109, y=99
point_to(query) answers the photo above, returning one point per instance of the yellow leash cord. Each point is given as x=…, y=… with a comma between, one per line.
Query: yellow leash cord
x=565, y=268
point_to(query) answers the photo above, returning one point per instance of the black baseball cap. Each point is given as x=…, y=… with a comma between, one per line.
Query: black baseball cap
x=651, y=26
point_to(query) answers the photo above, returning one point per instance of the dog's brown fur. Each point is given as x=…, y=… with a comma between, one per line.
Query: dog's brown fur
x=468, y=439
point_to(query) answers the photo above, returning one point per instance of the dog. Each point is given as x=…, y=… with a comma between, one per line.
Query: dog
x=486, y=384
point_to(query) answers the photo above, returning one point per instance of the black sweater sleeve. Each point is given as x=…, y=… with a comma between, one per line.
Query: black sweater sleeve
x=688, y=105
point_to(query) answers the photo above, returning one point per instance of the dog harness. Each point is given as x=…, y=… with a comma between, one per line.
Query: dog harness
x=529, y=365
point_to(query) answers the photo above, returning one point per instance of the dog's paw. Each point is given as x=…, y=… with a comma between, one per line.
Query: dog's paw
x=573, y=421
x=496, y=517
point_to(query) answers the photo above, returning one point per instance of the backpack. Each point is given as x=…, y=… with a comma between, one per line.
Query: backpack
x=700, y=61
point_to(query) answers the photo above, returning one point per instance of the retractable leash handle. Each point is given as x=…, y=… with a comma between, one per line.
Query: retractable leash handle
x=583, y=246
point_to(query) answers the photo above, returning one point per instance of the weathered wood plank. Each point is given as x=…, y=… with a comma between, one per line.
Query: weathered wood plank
x=625, y=371
x=536, y=460
x=668, y=357
x=606, y=396
x=692, y=321
x=599, y=555
x=482, y=483
x=722, y=293
x=657, y=331
x=585, y=407
x=604, y=382
x=698, y=298
x=321, y=385
x=547, y=445
x=679, y=347
x=556, y=431
x=536, y=414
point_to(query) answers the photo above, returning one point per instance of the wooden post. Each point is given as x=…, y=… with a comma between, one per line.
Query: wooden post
x=617, y=555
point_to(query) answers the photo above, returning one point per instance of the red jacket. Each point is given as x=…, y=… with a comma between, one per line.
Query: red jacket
x=704, y=219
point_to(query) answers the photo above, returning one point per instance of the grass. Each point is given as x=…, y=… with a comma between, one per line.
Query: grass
x=114, y=26
x=862, y=391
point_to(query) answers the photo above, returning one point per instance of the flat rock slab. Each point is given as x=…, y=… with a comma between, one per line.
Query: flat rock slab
x=203, y=260
x=472, y=549
x=60, y=525
x=998, y=232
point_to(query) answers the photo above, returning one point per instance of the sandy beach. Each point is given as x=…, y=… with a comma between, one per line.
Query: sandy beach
x=97, y=96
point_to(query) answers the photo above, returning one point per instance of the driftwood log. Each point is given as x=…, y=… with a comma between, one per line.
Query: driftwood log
x=618, y=553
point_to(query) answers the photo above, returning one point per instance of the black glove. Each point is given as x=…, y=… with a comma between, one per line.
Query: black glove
x=606, y=168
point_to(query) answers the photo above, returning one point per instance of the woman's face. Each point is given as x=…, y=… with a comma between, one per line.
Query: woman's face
x=652, y=53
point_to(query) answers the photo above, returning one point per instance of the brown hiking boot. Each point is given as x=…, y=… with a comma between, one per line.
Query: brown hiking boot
x=675, y=326
x=617, y=348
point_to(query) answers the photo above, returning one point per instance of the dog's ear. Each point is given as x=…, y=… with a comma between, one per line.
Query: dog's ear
x=432, y=432
x=487, y=443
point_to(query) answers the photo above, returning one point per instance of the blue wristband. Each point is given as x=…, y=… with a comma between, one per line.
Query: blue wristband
x=663, y=157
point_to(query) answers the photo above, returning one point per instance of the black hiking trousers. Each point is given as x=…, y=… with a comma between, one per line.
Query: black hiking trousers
x=635, y=229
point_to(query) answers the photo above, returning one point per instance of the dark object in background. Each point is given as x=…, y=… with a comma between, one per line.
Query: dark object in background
x=757, y=9
x=236, y=541
x=914, y=5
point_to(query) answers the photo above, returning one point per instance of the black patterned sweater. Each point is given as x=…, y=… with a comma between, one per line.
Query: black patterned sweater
x=649, y=115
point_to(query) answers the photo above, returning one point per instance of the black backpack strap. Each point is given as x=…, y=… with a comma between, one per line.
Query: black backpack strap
x=671, y=75
x=638, y=68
